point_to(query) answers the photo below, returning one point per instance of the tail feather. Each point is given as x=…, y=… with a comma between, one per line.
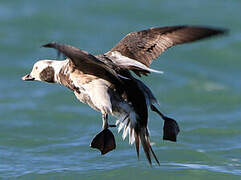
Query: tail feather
x=146, y=146
x=131, y=136
x=138, y=133
x=154, y=155
x=120, y=126
x=126, y=130
x=145, y=141
x=137, y=141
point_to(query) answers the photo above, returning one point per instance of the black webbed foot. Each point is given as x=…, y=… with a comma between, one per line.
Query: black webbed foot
x=104, y=141
x=170, y=129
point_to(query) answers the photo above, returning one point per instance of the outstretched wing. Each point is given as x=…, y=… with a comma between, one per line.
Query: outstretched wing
x=145, y=46
x=87, y=63
x=79, y=57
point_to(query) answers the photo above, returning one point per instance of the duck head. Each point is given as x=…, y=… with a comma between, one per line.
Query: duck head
x=43, y=70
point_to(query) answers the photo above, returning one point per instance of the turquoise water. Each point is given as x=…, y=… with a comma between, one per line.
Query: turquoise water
x=45, y=132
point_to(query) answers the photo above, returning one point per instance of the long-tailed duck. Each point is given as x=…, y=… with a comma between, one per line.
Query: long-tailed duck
x=105, y=83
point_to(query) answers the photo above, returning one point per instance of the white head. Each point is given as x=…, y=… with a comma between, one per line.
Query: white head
x=44, y=70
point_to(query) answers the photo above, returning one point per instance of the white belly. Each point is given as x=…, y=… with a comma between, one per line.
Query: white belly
x=95, y=94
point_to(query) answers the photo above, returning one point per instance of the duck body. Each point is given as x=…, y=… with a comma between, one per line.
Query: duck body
x=127, y=101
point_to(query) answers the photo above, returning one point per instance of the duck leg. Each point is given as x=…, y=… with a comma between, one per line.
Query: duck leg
x=104, y=140
x=170, y=128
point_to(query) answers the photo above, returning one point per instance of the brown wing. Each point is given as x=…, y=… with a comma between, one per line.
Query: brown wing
x=146, y=45
x=77, y=56
x=87, y=63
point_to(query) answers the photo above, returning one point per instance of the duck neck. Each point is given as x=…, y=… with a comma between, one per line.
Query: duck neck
x=59, y=67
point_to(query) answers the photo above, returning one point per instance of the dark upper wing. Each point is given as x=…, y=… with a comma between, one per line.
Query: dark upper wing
x=77, y=56
x=86, y=62
x=146, y=45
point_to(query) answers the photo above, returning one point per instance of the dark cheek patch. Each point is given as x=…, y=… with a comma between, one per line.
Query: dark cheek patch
x=47, y=75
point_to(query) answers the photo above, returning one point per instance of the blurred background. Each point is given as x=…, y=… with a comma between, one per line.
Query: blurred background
x=45, y=132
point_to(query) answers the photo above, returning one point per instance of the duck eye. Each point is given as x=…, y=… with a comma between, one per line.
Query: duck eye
x=36, y=67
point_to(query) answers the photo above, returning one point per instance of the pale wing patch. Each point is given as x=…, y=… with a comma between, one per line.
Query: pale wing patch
x=121, y=60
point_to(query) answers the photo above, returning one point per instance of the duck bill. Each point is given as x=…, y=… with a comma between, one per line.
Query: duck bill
x=27, y=77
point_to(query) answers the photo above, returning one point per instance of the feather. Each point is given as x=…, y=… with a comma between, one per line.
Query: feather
x=145, y=46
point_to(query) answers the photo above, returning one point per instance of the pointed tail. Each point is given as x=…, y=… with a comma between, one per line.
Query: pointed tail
x=136, y=119
x=139, y=135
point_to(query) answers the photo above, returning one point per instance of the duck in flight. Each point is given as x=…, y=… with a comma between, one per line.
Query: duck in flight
x=106, y=84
